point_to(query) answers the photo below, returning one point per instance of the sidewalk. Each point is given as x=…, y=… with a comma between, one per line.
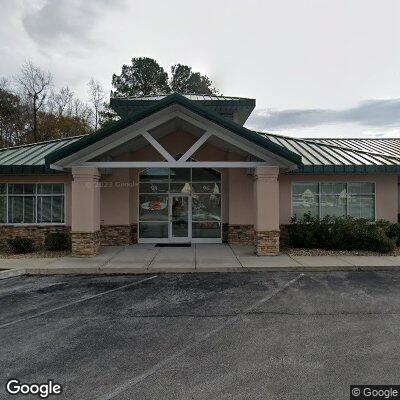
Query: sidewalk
x=145, y=258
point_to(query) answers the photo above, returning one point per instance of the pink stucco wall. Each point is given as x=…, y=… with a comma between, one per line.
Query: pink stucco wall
x=119, y=191
x=386, y=187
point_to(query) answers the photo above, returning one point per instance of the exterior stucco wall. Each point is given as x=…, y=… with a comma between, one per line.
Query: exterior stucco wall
x=241, y=211
x=115, y=197
x=66, y=179
x=386, y=192
x=119, y=190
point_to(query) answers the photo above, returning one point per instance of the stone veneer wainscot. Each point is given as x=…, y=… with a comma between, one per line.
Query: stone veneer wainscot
x=85, y=244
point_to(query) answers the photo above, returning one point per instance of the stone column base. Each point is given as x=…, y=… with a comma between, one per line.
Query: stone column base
x=85, y=244
x=266, y=243
x=241, y=234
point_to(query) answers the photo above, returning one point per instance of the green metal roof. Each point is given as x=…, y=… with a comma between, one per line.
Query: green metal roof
x=388, y=146
x=339, y=156
x=332, y=155
x=160, y=105
x=30, y=158
x=224, y=105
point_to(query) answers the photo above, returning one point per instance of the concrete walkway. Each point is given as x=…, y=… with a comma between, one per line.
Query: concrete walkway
x=146, y=258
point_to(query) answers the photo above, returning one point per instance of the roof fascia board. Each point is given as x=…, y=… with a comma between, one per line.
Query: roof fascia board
x=226, y=135
x=170, y=100
x=156, y=119
x=175, y=164
x=119, y=138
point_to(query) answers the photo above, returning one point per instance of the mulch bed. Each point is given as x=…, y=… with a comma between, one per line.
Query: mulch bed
x=290, y=251
x=35, y=254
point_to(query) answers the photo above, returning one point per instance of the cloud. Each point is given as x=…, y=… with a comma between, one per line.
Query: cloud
x=64, y=22
x=369, y=113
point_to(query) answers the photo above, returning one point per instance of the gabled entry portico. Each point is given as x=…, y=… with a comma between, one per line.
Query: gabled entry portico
x=194, y=177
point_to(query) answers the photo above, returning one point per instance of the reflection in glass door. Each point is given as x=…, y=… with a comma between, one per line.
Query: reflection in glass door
x=180, y=221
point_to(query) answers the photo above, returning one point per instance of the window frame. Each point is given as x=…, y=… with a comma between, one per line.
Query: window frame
x=36, y=196
x=347, y=195
x=171, y=193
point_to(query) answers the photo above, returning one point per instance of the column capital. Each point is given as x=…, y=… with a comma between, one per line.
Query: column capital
x=85, y=174
x=266, y=173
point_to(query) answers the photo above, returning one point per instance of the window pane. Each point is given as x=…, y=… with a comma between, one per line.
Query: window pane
x=58, y=209
x=153, y=230
x=183, y=187
x=304, y=199
x=332, y=188
x=214, y=188
x=29, y=209
x=154, y=187
x=155, y=174
x=206, y=207
x=3, y=188
x=362, y=206
x=206, y=229
x=29, y=189
x=44, y=209
x=45, y=188
x=205, y=175
x=180, y=174
x=153, y=207
x=333, y=205
x=333, y=199
x=16, y=188
x=58, y=188
x=3, y=209
x=15, y=209
x=361, y=188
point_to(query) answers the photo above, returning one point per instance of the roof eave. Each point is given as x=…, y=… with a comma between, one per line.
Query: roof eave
x=159, y=105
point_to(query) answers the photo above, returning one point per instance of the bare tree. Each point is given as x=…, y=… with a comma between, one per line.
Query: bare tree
x=60, y=103
x=96, y=99
x=34, y=85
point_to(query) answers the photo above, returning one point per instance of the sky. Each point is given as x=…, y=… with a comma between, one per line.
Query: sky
x=317, y=68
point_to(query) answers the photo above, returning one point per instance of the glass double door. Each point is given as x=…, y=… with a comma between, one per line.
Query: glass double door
x=180, y=218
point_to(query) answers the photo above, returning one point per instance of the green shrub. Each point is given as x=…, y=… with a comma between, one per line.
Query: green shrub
x=57, y=241
x=342, y=233
x=394, y=233
x=21, y=245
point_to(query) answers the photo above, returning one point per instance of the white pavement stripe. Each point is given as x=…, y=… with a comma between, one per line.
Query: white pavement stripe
x=75, y=302
x=141, y=377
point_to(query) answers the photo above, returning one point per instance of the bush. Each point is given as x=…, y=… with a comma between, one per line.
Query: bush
x=21, y=245
x=394, y=233
x=57, y=241
x=343, y=233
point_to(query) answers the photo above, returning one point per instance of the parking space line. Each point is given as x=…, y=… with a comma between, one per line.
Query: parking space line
x=141, y=377
x=76, y=302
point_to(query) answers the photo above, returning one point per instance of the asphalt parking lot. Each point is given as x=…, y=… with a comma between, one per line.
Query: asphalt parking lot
x=202, y=336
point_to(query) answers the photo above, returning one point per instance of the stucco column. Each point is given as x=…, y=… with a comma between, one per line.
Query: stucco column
x=85, y=222
x=266, y=211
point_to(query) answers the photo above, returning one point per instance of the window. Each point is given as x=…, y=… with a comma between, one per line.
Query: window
x=355, y=199
x=22, y=203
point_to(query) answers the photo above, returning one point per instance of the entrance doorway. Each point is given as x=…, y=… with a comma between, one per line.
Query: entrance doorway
x=180, y=205
x=180, y=218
